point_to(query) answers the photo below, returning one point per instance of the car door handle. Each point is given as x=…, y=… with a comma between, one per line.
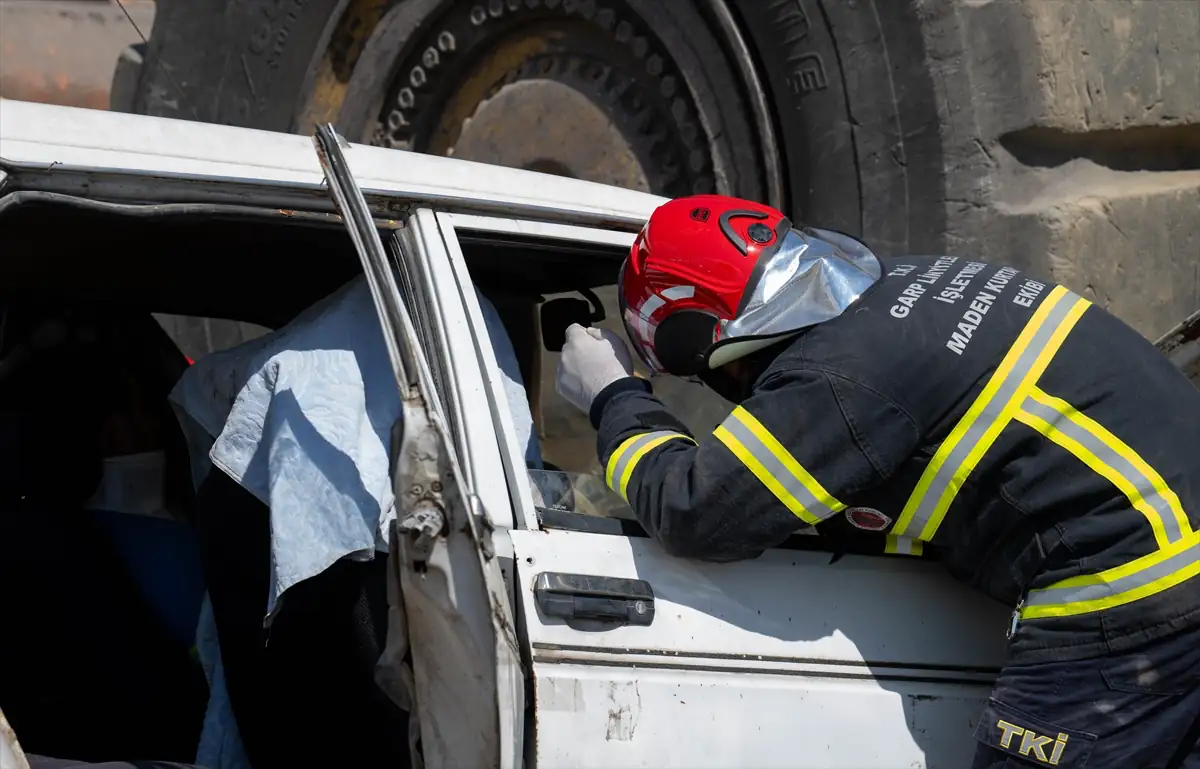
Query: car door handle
x=586, y=596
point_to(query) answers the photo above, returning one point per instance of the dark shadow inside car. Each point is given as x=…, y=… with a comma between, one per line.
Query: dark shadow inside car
x=94, y=599
x=99, y=651
x=97, y=656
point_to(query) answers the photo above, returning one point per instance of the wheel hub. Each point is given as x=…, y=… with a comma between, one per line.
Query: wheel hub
x=548, y=126
x=583, y=89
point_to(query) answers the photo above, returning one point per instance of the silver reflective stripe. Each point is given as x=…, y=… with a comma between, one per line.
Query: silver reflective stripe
x=1135, y=478
x=774, y=467
x=954, y=468
x=622, y=462
x=903, y=545
x=646, y=311
x=1142, y=578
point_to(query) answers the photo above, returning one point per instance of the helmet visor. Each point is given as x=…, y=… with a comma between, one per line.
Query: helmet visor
x=813, y=277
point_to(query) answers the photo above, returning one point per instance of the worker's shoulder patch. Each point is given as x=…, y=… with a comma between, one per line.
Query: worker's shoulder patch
x=867, y=518
x=1037, y=742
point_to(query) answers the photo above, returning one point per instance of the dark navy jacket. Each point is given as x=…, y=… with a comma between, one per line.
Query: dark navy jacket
x=1041, y=449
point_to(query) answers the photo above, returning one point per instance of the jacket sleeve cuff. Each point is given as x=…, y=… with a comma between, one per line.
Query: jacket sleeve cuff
x=622, y=385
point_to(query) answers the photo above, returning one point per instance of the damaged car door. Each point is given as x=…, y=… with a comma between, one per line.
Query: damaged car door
x=448, y=607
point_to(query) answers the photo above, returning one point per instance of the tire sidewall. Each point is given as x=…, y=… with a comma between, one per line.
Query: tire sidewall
x=711, y=83
x=860, y=146
x=798, y=61
x=245, y=65
x=857, y=110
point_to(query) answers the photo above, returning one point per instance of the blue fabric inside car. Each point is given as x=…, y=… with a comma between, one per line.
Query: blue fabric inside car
x=163, y=561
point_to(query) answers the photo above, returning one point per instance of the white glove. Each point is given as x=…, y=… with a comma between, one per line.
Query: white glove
x=592, y=359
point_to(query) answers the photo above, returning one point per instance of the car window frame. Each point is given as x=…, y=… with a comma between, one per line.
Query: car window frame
x=498, y=415
x=527, y=514
x=424, y=306
x=442, y=554
x=439, y=310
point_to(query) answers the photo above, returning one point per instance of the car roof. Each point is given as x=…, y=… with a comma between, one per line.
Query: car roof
x=118, y=156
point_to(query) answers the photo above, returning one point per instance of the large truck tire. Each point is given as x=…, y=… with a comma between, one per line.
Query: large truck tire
x=1060, y=137
x=746, y=98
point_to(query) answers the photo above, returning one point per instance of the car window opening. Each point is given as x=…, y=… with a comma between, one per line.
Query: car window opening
x=522, y=276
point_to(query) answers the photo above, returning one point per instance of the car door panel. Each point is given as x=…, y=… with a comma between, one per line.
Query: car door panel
x=597, y=717
x=466, y=689
x=786, y=660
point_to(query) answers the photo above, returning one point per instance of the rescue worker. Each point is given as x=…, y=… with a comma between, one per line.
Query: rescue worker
x=1041, y=449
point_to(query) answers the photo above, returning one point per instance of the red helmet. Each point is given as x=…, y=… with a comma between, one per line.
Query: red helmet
x=712, y=278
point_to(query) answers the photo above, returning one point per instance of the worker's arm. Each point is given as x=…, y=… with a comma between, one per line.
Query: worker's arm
x=789, y=456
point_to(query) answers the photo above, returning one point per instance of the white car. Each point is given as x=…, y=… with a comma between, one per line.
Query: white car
x=544, y=633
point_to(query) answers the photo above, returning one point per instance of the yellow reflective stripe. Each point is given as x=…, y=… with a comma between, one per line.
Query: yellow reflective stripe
x=990, y=413
x=903, y=545
x=623, y=461
x=775, y=467
x=1141, y=578
x=1100, y=468
x=1111, y=458
x=1159, y=493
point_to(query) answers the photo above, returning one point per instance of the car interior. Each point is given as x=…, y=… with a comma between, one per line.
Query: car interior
x=103, y=645
x=102, y=607
x=106, y=606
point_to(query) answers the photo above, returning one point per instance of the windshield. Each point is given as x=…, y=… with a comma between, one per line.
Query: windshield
x=578, y=493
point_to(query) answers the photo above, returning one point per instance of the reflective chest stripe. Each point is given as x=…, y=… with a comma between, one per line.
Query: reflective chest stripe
x=624, y=460
x=1012, y=394
x=776, y=468
x=1111, y=458
x=991, y=412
